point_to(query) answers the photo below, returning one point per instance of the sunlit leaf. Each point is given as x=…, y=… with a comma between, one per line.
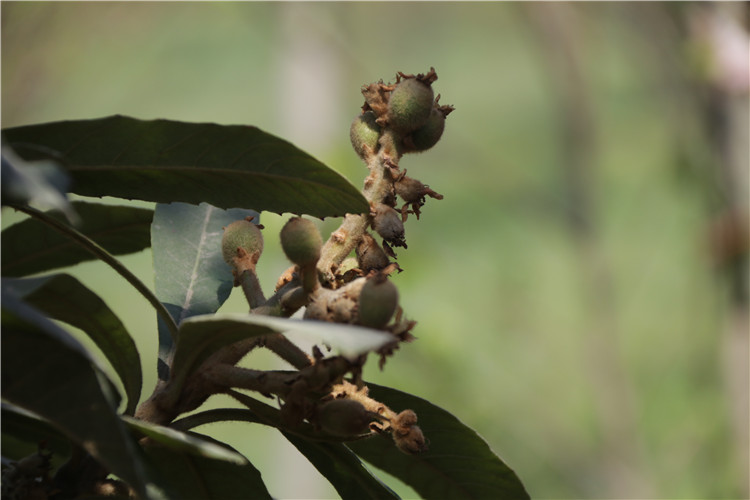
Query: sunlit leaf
x=30, y=247
x=228, y=166
x=459, y=464
x=190, y=275
x=64, y=298
x=201, y=336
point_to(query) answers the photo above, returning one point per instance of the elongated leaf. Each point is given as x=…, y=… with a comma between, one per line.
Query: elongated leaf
x=183, y=442
x=23, y=432
x=343, y=469
x=201, y=336
x=191, y=276
x=184, y=474
x=64, y=298
x=228, y=166
x=46, y=371
x=30, y=247
x=459, y=464
x=331, y=458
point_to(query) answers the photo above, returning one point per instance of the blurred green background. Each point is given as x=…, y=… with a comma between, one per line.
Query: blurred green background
x=579, y=291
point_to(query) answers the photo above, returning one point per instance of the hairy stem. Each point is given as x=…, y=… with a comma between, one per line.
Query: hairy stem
x=377, y=187
x=287, y=350
x=251, y=288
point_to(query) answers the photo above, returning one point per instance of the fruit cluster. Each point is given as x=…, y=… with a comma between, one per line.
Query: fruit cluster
x=335, y=286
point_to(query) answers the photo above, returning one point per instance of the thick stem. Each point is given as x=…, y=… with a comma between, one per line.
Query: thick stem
x=315, y=377
x=231, y=376
x=287, y=351
x=309, y=278
x=251, y=288
x=377, y=187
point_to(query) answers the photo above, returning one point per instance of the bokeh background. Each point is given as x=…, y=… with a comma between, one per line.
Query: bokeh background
x=581, y=291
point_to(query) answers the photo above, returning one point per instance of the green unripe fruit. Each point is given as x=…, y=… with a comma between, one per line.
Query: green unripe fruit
x=410, y=105
x=364, y=134
x=301, y=241
x=428, y=134
x=378, y=300
x=344, y=418
x=242, y=242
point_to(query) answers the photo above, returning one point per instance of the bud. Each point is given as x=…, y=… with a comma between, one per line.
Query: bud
x=370, y=255
x=388, y=224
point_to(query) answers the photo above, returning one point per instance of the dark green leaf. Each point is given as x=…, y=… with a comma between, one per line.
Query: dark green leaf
x=63, y=297
x=332, y=459
x=23, y=432
x=459, y=464
x=228, y=166
x=183, y=442
x=342, y=468
x=46, y=371
x=30, y=247
x=190, y=275
x=186, y=475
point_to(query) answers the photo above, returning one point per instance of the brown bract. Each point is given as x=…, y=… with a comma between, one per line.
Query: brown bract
x=376, y=99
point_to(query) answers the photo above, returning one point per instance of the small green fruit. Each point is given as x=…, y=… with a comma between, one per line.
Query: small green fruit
x=364, y=134
x=344, y=418
x=428, y=134
x=242, y=240
x=410, y=105
x=378, y=300
x=301, y=241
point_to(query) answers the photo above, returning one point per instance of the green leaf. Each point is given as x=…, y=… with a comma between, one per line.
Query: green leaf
x=64, y=298
x=186, y=474
x=342, y=468
x=331, y=458
x=201, y=336
x=228, y=166
x=183, y=442
x=459, y=463
x=30, y=247
x=23, y=432
x=46, y=371
x=191, y=277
